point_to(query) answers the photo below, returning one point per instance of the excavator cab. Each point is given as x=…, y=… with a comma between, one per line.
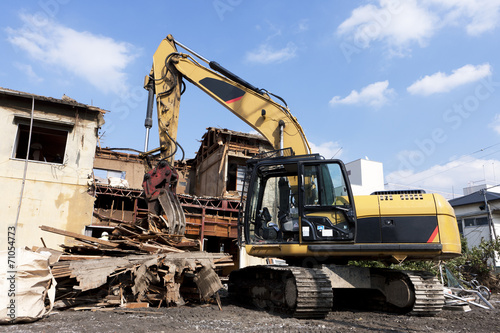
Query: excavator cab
x=299, y=199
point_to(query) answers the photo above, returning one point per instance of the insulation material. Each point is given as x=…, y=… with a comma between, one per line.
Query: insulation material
x=118, y=182
x=25, y=286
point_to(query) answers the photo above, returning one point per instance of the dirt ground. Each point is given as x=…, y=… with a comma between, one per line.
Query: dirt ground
x=237, y=318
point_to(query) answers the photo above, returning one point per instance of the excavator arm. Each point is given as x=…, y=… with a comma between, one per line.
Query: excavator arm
x=252, y=105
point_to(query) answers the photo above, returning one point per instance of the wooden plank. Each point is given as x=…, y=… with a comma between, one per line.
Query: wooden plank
x=136, y=305
x=152, y=248
x=78, y=236
x=126, y=229
x=229, y=264
x=67, y=257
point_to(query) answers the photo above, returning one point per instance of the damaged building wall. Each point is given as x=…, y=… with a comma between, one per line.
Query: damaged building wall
x=129, y=165
x=221, y=160
x=185, y=184
x=210, y=175
x=54, y=180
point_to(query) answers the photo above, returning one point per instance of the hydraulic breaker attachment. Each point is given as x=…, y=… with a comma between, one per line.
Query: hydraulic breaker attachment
x=159, y=189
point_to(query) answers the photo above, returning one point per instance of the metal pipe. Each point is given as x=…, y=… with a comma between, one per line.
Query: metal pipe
x=148, y=123
x=218, y=68
x=25, y=162
x=191, y=51
x=281, y=126
x=146, y=140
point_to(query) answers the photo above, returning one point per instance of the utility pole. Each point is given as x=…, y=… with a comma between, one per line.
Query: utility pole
x=493, y=234
x=490, y=222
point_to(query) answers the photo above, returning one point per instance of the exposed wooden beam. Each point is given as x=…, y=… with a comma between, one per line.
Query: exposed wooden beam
x=78, y=236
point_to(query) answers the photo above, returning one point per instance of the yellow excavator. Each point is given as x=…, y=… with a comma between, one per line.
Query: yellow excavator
x=300, y=207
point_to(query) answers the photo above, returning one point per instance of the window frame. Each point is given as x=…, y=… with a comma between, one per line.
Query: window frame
x=44, y=124
x=474, y=224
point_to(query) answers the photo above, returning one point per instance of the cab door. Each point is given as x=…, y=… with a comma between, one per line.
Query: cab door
x=326, y=204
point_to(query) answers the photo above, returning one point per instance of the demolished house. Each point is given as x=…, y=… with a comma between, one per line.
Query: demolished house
x=126, y=259
x=46, y=164
x=209, y=189
x=89, y=202
x=221, y=160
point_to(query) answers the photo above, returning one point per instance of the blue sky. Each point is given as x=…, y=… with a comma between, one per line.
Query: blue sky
x=411, y=84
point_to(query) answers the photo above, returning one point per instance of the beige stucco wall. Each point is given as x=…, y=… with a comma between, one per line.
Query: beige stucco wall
x=54, y=194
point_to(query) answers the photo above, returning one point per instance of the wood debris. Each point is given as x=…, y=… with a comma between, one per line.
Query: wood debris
x=145, y=236
x=137, y=265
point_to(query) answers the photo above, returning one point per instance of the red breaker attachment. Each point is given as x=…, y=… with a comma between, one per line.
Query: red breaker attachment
x=159, y=189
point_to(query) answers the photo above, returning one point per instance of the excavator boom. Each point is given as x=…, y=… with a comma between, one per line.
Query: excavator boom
x=252, y=105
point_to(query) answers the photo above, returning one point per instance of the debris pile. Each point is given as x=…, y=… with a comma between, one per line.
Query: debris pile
x=146, y=236
x=157, y=279
x=135, y=266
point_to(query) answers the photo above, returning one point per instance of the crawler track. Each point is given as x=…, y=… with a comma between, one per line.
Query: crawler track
x=300, y=292
x=429, y=296
x=307, y=292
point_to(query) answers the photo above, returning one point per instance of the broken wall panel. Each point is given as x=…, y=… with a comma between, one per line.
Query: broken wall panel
x=115, y=205
x=221, y=159
x=210, y=174
x=129, y=165
x=155, y=279
x=210, y=216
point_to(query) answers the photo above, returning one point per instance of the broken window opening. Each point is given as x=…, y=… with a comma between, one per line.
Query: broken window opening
x=102, y=175
x=235, y=177
x=47, y=144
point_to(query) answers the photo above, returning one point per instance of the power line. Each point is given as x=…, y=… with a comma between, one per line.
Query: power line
x=459, y=165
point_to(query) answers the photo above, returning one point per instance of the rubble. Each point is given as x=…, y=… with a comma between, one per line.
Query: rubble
x=136, y=265
x=145, y=236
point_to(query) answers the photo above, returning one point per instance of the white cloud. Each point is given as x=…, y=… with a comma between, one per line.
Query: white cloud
x=477, y=16
x=495, y=124
x=449, y=178
x=302, y=26
x=399, y=24
x=98, y=59
x=28, y=71
x=375, y=94
x=328, y=149
x=266, y=54
x=440, y=82
x=396, y=23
